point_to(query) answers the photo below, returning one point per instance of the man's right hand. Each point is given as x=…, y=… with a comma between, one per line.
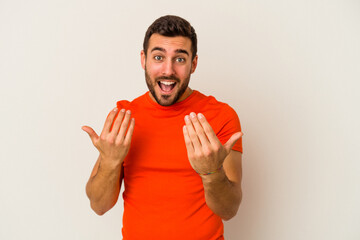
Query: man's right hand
x=114, y=141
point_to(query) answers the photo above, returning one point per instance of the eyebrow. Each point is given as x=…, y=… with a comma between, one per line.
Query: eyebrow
x=163, y=50
x=182, y=51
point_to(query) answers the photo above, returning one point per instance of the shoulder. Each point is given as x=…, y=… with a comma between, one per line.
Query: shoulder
x=217, y=108
x=131, y=104
x=222, y=118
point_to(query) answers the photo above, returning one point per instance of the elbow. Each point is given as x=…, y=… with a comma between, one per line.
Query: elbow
x=97, y=210
x=99, y=213
x=233, y=211
x=100, y=207
x=229, y=215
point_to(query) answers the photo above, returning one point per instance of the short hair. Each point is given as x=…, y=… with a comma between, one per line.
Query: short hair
x=171, y=26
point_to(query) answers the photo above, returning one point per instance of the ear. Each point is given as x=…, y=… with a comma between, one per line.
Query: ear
x=143, y=59
x=194, y=64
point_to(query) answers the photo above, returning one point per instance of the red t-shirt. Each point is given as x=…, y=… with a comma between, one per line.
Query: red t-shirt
x=164, y=196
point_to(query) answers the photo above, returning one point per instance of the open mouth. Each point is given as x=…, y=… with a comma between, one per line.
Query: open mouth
x=166, y=86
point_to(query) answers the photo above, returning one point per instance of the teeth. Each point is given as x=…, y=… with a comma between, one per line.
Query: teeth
x=167, y=83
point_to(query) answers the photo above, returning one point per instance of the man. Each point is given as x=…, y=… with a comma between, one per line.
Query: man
x=181, y=161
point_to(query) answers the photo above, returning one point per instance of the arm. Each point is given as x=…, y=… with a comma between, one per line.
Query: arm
x=206, y=153
x=223, y=188
x=103, y=186
x=113, y=145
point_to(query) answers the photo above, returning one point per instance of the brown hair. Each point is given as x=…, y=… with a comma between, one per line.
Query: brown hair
x=171, y=26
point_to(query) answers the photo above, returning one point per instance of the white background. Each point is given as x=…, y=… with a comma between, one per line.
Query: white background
x=291, y=70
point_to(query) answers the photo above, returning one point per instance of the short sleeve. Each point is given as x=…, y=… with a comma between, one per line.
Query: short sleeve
x=120, y=105
x=123, y=104
x=230, y=125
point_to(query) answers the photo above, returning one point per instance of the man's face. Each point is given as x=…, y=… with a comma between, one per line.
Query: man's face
x=168, y=67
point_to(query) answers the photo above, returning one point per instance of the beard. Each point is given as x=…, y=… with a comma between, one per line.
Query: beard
x=165, y=99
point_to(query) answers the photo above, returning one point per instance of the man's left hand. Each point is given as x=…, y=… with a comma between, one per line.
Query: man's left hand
x=205, y=151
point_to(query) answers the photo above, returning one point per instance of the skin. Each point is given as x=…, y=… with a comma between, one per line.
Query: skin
x=168, y=59
x=113, y=144
x=206, y=154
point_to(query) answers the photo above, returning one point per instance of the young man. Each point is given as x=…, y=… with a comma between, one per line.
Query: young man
x=181, y=161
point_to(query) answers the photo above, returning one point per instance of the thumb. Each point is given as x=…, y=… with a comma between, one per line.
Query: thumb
x=232, y=140
x=92, y=134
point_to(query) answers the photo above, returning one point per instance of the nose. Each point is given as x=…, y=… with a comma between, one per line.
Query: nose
x=168, y=68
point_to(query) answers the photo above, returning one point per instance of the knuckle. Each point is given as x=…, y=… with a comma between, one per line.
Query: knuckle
x=217, y=147
x=96, y=144
x=120, y=142
x=198, y=155
x=193, y=134
x=124, y=125
x=199, y=131
x=207, y=152
x=102, y=137
x=125, y=143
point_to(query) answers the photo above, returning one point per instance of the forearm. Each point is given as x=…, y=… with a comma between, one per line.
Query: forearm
x=103, y=188
x=222, y=196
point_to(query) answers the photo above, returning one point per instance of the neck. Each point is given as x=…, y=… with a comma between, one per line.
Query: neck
x=186, y=94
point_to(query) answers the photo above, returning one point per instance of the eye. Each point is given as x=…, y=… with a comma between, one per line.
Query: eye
x=158, y=58
x=180, y=60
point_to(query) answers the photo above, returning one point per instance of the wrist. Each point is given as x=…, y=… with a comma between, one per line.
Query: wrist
x=110, y=164
x=212, y=172
x=216, y=176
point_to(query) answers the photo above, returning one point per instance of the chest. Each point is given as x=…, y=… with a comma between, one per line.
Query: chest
x=158, y=144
